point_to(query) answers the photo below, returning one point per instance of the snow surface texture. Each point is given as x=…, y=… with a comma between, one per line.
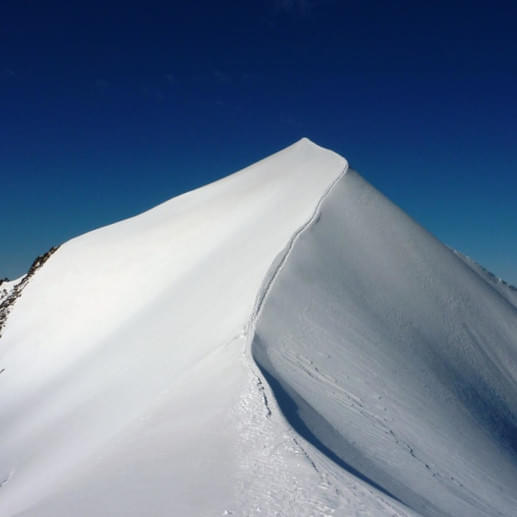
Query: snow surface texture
x=395, y=359
x=505, y=289
x=386, y=371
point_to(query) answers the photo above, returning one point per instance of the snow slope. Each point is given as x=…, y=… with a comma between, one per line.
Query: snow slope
x=124, y=376
x=386, y=373
x=506, y=290
x=395, y=358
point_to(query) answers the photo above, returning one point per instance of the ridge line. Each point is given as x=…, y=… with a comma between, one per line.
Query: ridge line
x=264, y=388
x=281, y=259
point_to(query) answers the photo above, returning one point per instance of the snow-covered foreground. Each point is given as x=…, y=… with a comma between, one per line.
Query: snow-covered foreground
x=281, y=342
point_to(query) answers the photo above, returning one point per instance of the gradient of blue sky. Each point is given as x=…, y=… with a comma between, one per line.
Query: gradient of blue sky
x=107, y=109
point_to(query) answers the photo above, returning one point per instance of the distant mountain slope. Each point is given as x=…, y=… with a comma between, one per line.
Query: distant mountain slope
x=506, y=290
x=394, y=358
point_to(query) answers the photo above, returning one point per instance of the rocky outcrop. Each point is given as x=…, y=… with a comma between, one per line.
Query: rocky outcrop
x=9, y=297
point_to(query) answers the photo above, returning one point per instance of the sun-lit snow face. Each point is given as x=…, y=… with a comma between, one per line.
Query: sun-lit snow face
x=120, y=317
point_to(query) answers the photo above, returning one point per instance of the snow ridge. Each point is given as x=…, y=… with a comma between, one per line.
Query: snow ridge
x=348, y=485
x=269, y=280
x=282, y=257
x=127, y=319
x=146, y=361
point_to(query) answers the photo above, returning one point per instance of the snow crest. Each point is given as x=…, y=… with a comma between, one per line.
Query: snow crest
x=281, y=342
x=124, y=358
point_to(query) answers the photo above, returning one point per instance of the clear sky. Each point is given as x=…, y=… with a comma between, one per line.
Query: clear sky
x=109, y=108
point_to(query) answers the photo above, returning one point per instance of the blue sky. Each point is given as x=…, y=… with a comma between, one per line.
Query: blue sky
x=108, y=109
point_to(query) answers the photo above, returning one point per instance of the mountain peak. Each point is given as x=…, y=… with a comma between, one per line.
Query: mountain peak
x=287, y=319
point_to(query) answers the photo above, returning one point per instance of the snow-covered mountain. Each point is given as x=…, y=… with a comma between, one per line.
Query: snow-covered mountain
x=284, y=341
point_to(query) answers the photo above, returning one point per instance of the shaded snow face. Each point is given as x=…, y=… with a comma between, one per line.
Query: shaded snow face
x=394, y=358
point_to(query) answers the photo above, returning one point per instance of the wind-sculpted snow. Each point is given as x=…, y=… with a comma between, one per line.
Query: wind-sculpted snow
x=394, y=359
x=125, y=388
x=385, y=382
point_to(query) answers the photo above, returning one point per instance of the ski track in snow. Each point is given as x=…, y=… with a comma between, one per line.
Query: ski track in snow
x=285, y=475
